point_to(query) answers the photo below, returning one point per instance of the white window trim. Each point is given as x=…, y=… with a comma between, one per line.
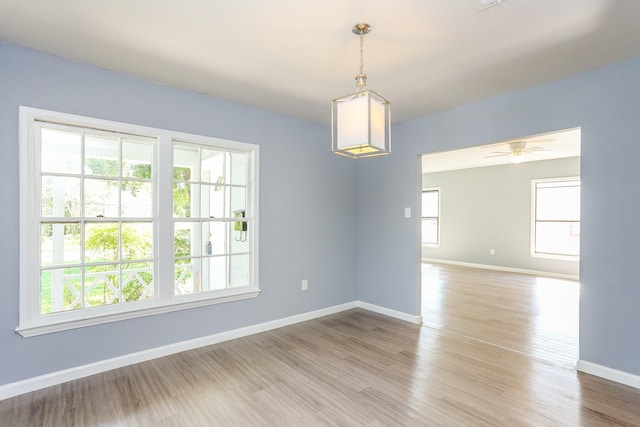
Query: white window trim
x=532, y=228
x=31, y=323
x=432, y=245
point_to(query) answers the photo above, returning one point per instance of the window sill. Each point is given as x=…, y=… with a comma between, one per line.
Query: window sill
x=430, y=245
x=42, y=328
x=555, y=257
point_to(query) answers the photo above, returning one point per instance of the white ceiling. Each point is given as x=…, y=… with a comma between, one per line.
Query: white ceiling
x=295, y=56
x=555, y=145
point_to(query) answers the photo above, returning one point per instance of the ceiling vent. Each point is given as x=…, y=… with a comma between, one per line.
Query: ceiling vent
x=485, y=4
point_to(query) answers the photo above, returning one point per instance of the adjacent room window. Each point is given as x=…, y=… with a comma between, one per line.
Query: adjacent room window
x=556, y=218
x=105, y=205
x=431, y=216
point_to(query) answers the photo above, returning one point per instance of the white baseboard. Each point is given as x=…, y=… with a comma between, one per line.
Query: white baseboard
x=59, y=377
x=609, y=373
x=508, y=269
x=391, y=313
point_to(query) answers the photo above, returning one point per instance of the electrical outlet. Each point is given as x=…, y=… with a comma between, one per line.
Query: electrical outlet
x=492, y=251
x=305, y=285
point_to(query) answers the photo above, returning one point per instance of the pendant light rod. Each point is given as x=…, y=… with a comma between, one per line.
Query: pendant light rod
x=361, y=78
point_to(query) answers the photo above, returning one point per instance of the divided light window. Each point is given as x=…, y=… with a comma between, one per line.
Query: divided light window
x=211, y=230
x=556, y=218
x=431, y=217
x=95, y=205
x=105, y=205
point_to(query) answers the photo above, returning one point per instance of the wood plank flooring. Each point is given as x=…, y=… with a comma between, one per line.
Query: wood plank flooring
x=534, y=315
x=355, y=368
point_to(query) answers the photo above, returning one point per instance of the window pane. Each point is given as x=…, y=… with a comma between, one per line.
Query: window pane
x=102, y=242
x=558, y=203
x=60, y=151
x=101, y=156
x=182, y=173
x=214, y=273
x=185, y=159
x=430, y=231
x=212, y=166
x=184, y=276
x=137, y=159
x=137, y=241
x=430, y=203
x=181, y=200
x=192, y=280
x=238, y=200
x=212, y=201
x=237, y=168
x=137, y=281
x=101, y=198
x=185, y=238
x=60, y=290
x=136, y=199
x=59, y=244
x=102, y=285
x=60, y=196
x=238, y=271
x=560, y=238
x=213, y=238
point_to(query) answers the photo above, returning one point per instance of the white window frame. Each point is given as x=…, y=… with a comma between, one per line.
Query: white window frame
x=532, y=239
x=424, y=190
x=31, y=322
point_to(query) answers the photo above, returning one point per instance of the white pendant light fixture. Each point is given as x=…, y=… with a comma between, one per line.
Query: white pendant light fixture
x=361, y=122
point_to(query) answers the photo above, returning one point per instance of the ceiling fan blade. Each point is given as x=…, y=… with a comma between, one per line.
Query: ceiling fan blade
x=497, y=155
x=538, y=150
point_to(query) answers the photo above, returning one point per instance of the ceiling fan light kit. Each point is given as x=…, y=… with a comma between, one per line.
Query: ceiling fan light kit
x=361, y=122
x=485, y=4
x=518, y=151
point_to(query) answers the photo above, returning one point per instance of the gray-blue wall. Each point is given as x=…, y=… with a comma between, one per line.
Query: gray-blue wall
x=605, y=103
x=307, y=209
x=338, y=223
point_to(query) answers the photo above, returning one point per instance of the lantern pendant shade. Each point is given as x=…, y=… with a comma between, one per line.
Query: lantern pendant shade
x=361, y=125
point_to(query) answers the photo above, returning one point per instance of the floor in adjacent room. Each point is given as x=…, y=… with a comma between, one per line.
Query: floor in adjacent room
x=533, y=315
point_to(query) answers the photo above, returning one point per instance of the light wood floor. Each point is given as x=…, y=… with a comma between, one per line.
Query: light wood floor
x=354, y=368
x=534, y=315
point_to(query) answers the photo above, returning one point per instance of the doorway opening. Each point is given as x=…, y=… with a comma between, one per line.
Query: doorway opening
x=500, y=252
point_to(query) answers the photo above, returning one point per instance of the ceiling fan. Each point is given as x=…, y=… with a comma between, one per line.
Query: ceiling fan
x=518, y=150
